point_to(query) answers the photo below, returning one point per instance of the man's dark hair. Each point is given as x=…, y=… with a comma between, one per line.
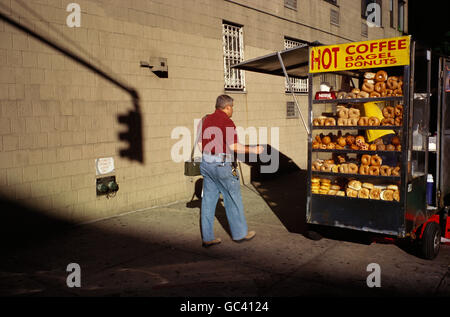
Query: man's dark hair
x=222, y=101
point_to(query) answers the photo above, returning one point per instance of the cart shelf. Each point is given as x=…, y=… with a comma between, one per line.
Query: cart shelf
x=358, y=176
x=358, y=100
x=357, y=127
x=357, y=151
x=354, y=198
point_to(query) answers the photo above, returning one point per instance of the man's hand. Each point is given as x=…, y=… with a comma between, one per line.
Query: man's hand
x=257, y=149
x=243, y=149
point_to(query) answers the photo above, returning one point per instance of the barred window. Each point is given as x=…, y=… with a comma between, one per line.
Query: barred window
x=334, y=17
x=233, y=53
x=291, y=4
x=291, y=110
x=298, y=84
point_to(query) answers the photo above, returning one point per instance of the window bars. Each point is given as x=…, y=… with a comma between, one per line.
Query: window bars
x=233, y=53
x=298, y=85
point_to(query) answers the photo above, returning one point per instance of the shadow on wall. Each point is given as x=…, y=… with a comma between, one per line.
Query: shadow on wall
x=133, y=120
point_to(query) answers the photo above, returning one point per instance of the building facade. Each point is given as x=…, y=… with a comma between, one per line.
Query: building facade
x=59, y=116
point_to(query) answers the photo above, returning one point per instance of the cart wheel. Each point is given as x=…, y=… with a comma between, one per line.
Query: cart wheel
x=431, y=240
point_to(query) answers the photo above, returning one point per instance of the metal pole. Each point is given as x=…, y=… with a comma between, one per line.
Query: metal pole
x=292, y=91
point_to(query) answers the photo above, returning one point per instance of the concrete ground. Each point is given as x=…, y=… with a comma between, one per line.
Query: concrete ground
x=158, y=252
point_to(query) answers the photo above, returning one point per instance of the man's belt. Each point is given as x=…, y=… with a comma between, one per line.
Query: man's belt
x=217, y=158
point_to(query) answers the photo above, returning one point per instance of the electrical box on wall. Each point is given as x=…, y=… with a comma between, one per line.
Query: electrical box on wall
x=106, y=185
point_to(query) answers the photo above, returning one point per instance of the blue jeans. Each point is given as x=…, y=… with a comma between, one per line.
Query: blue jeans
x=218, y=178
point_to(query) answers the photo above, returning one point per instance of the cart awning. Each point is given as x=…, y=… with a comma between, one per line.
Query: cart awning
x=295, y=60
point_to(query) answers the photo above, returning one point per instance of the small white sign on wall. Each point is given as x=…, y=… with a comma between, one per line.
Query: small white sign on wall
x=104, y=165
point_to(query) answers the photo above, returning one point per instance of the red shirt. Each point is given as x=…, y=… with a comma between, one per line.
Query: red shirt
x=218, y=133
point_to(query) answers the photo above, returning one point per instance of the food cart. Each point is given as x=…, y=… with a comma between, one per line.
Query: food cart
x=368, y=152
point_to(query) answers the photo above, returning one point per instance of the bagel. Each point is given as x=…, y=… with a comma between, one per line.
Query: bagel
x=341, y=94
x=381, y=147
x=365, y=159
x=375, y=193
x=375, y=160
x=369, y=75
x=354, y=113
x=363, y=94
x=330, y=122
x=351, y=193
x=388, y=121
x=374, y=170
x=350, y=95
x=392, y=82
x=367, y=185
x=388, y=112
x=355, y=91
x=375, y=94
x=380, y=86
x=354, y=184
x=363, y=193
x=364, y=170
x=335, y=168
x=331, y=146
x=343, y=168
x=367, y=87
x=326, y=140
x=385, y=170
x=315, y=145
x=372, y=147
x=396, y=171
x=341, y=141
x=390, y=147
x=395, y=140
x=398, y=92
x=398, y=110
x=342, y=121
x=398, y=121
x=343, y=113
x=363, y=121
x=374, y=121
x=352, y=122
x=387, y=194
x=360, y=140
x=316, y=122
x=364, y=147
x=381, y=75
x=350, y=139
x=352, y=168
x=396, y=195
x=398, y=147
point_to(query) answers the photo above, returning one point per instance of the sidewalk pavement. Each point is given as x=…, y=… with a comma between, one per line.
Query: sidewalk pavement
x=158, y=252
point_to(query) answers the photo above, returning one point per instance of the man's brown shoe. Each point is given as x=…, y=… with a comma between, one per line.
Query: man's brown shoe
x=212, y=242
x=250, y=235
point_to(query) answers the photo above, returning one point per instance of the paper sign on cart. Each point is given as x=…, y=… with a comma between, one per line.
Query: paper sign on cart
x=360, y=55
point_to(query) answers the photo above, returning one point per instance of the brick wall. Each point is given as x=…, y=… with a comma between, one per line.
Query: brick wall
x=57, y=117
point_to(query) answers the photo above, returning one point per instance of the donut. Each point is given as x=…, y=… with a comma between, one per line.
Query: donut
x=364, y=121
x=398, y=110
x=330, y=122
x=354, y=113
x=374, y=121
x=396, y=171
x=380, y=86
x=352, y=168
x=381, y=75
x=388, y=112
x=375, y=193
x=363, y=193
x=385, y=170
x=364, y=170
x=365, y=159
x=367, y=87
x=343, y=113
x=372, y=147
x=350, y=139
x=342, y=121
x=392, y=82
x=343, y=168
x=375, y=160
x=374, y=94
x=390, y=147
x=398, y=121
x=352, y=122
x=326, y=140
x=381, y=147
x=388, y=121
x=364, y=147
x=374, y=170
x=359, y=140
x=363, y=94
x=341, y=141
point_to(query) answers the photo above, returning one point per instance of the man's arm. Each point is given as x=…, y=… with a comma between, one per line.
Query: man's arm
x=245, y=149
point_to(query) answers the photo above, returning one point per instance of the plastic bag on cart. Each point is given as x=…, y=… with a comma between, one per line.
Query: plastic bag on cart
x=371, y=109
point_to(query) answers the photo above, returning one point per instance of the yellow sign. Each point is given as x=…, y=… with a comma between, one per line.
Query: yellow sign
x=358, y=55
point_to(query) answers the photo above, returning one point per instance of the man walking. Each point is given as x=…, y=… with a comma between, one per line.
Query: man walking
x=219, y=144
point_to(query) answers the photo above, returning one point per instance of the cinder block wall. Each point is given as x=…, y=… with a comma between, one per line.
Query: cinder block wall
x=57, y=117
